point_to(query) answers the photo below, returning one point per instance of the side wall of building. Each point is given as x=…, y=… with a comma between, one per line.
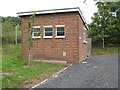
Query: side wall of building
x=52, y=49
x=82, y=46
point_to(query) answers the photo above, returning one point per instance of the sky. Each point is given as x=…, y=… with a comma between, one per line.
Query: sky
x=11, y=7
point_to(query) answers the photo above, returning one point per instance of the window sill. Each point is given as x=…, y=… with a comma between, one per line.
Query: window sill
x=47, y=37
x=84, y=42
x=60, y=37
x=37, y=37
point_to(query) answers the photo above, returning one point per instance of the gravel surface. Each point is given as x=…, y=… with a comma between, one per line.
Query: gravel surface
x=94, y=72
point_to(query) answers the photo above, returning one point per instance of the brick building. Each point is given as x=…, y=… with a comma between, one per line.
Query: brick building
x=60, y=35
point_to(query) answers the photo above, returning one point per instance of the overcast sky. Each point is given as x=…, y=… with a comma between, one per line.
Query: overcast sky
x=11, y=7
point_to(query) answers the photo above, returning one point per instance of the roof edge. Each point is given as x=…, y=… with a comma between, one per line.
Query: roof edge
x=47, y=10
x=55, y=11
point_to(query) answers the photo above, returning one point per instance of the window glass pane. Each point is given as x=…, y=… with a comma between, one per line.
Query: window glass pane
x=60, y=33
x=48, y=34
x=36, y=29
x=60, y=29
x=36, y=34
x=48, y=29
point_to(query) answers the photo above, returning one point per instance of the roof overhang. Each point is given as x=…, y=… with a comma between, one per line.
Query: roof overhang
x=55, y=11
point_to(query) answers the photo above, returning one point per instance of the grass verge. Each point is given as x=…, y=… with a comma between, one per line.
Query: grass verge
x=105, y=51
x=20, y=74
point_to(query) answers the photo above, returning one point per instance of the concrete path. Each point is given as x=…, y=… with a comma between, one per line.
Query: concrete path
x=94, y=72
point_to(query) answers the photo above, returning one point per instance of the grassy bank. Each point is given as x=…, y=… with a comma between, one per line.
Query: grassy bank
x=105, y=51
x=20, y=74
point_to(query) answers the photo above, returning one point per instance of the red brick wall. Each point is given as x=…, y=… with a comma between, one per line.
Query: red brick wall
x=53, y=48
x=82, y=46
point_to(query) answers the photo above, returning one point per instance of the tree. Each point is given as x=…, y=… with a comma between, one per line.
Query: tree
x=30, y=39
x=14, y=20
x=8, y=29
x=8, y=32
x=104, y=27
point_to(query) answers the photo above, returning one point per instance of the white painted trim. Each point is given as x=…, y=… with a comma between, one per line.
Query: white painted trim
x=56, y=31
x=36, y=37
x=47, y=26
x=48, y=37
x=59, y=36
x=48, y=11
x=59, y=25
x=55, y=11
x=33, y=32
x=85, y=29
x=44, y=31
x=36, y=26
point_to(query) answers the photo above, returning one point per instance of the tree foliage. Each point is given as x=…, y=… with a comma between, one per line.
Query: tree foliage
x=8, y=29
x=30, y=30
x=105, y=25
x=14, y=20
x=7, y=32
x=30, y=39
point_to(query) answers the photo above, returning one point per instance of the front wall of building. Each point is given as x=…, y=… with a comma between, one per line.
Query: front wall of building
x=53, y=48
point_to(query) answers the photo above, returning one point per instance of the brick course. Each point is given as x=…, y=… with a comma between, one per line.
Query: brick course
x=53, y=48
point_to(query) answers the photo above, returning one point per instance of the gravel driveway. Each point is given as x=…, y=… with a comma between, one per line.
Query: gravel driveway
x=94, y=72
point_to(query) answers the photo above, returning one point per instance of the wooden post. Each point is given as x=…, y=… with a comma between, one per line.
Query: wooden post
x=103, y=43
x=16, y=35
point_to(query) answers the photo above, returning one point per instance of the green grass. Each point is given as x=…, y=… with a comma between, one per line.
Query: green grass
x=105, y=51
x=12, y=63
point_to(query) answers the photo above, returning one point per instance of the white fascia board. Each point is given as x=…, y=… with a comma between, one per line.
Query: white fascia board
x=83, y=19
x=55, y=11
x=48, y=11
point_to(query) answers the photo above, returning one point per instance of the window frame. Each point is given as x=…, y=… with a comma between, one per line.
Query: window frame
x=36, y=32
x=50, y=26
x=56, y=31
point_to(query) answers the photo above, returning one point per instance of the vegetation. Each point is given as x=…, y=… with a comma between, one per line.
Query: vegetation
x=15, y=20
x=103, y=31
x=21, y=74
x=105, y=51
x=30, y=39
x=10, y=29
x=105, y=25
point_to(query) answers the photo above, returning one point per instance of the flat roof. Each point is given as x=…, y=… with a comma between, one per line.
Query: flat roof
x=55, y=11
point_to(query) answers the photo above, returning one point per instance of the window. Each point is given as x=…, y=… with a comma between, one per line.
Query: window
x=84, y=36
x=36, y=32
x=60, y=31
x=47, y=32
